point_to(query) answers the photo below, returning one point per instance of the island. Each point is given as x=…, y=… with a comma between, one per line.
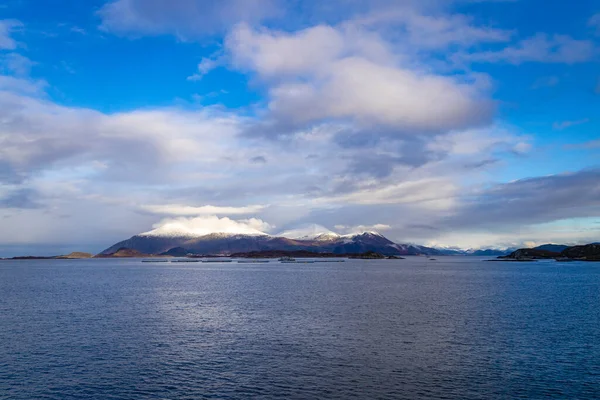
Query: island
x=588, y=252
x=76, y=255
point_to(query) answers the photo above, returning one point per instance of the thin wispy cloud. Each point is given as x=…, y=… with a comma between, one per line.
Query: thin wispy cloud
x=568, y=124
x=594, y=23
x=540, y=48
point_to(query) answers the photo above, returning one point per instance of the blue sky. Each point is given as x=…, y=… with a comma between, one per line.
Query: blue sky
x=464, y=122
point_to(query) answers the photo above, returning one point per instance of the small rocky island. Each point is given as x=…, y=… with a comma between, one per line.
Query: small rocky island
x=76, y=255
x=369, y=255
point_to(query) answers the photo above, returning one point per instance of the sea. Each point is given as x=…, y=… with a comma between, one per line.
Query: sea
x=449, y=328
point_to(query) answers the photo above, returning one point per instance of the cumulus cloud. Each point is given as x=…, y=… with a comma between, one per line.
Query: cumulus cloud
x=209, y=224
x=328, y=60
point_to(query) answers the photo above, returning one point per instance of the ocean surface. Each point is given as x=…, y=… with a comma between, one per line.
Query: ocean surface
x=455, y=328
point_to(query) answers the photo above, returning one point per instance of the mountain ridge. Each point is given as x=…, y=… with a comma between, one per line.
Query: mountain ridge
x=315, y=239
x=230, y=243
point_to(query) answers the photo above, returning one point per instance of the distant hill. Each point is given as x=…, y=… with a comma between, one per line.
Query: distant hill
x=557, y=248
x=479, y=252
x=590, y=252
x=491, y=252
x=76, y=255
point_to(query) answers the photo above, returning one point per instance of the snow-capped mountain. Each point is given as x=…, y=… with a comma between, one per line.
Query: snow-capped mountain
x=310, y=232
x=224, y=243
x=456, y=251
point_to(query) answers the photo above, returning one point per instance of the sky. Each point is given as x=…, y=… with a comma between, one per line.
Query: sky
x=467, y=123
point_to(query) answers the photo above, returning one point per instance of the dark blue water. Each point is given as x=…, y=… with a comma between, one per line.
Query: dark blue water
x=456, y=328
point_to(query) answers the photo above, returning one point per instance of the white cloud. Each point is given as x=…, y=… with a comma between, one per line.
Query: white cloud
x=186, y=19
x=363, y=228
x=87, y=164
x=10, y=84
x=317, y=72
x=205, y=66
x=475, y=142
x=541, y=48
x=568, y=232
x=7, y=26
x=428, y=194
x=209, y=224
x=140, y=145
x=17, y=64
x=434, y=31
x=276, y=54
x=178, y=209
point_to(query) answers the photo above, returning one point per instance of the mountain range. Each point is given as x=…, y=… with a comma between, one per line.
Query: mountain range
x=157, y=242
x=179, y=243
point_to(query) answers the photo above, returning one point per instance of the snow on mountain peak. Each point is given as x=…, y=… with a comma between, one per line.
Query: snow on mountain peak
x=355, y=234
x=310, y=232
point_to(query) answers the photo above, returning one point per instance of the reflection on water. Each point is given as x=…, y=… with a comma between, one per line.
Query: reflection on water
x=451, y=328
